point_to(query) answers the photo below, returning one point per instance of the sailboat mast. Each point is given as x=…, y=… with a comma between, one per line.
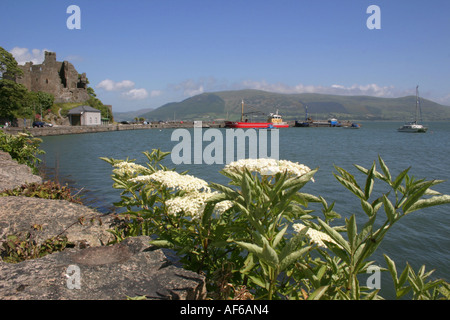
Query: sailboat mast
x=417, y=101
x=242, y=111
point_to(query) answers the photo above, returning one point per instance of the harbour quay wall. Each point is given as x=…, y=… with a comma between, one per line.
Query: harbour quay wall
x=64, y=130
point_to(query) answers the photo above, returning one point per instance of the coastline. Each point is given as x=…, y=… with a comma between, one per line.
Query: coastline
x=65, y=130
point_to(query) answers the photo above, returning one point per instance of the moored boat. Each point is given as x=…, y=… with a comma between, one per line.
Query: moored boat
x=274, y=120
x=353, y=126
x=414, y=126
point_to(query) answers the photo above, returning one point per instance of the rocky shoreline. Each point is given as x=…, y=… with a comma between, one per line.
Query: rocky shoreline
x=108, y=272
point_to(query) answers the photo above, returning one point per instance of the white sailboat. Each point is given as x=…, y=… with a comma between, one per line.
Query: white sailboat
x=414, y=126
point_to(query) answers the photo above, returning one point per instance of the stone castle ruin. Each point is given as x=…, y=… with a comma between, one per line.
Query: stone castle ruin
x=60, y=79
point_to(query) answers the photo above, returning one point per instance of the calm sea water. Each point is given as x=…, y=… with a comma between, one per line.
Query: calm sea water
x=420, y=238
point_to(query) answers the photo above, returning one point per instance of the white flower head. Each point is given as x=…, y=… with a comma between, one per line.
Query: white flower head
x=193, y=204
x=315, y=236
x=268, y=167
x=174, y=180
x=129, y=168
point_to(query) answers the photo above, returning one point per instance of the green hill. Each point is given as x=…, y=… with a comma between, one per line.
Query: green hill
x=227, y=105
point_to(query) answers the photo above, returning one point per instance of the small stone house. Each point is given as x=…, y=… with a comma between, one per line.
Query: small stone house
x=85, y=116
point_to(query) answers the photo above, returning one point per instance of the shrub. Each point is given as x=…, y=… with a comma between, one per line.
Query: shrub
x=23, y=147
x=256, y=237
x=46, y=190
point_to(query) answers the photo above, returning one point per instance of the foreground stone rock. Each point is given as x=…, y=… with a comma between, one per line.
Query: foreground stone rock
x=130, y=269
x=14, y=175
x=46, y=218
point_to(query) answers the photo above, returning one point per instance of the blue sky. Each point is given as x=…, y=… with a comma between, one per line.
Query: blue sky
x=145, y=53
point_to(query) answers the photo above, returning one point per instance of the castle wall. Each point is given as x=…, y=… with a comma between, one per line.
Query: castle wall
x=57, y=78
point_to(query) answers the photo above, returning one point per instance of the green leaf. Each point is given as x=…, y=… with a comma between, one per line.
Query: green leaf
x=352, y=232
x=162, y=243
x=292, y=257
x=335, y=236
x=269, y=255
x=392, y=269
x=416, y=196
x=260, y=282
x=367, y=207
x=425, y=203
x=369, y=182
x=250, y=247
x=399, y=179
x=293, y=244
x=389, y=209
x=249, y=263
x=353, y=187
x=279, y=236
x=385, y=169
x=318, y=293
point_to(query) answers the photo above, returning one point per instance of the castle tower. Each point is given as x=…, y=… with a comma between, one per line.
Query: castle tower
x=57, y=78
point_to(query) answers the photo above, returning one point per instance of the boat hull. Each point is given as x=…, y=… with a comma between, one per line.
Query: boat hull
x=255, y=125
x=413, y=130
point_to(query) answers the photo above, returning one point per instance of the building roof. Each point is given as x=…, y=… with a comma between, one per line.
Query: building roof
x=82, y=109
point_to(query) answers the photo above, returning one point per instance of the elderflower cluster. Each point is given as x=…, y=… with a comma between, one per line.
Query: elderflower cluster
x=196, y=195
x=315, y=236
x=193, y=204
x=269, y=166
x=174, y=180
x=128, y=168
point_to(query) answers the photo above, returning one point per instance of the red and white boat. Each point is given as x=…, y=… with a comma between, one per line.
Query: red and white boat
x=273, y=121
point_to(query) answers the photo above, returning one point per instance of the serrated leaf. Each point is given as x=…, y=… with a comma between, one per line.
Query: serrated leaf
x=292, y=257
x=415, y=197
x=279, y=236
x=250, y=247
x=354, y=188
x=385, y=169
x=269, y=255
x=425, y=203
x=259, y=282
x=369, y=182
x=335, y=236
x=392, y=269
x=389, y=209
x=352, y=232
x=399, y=179
x=318, y=293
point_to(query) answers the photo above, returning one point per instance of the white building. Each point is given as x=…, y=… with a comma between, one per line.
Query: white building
x=85, y=116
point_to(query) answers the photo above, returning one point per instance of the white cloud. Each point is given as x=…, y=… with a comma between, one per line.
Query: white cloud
x=444, y=100
x=127, y=89
x=356, y=89
x=190, y=87
x=155, y=93
x=110, y=85
x=136, y=94
x=23, y=55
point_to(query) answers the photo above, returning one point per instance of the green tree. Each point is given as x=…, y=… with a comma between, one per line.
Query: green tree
x=12, y=95
x=9, y=69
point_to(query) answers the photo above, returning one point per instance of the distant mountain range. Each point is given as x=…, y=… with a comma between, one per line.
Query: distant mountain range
x=227, y=105
x=130, y=115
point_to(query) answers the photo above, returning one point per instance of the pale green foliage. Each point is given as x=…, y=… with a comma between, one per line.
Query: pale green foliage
x=265, y=242
x=23, y=147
